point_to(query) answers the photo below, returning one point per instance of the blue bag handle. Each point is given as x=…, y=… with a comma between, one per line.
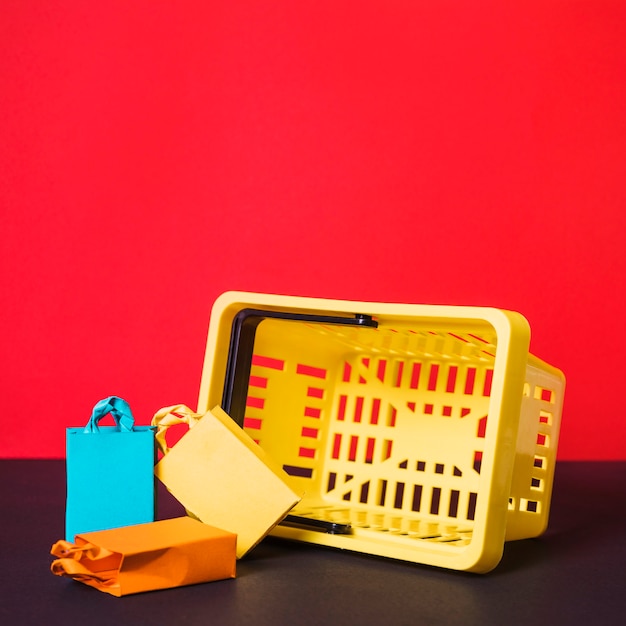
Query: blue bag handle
x=118, y=408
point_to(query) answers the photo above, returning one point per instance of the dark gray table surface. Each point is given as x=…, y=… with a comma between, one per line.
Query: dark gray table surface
x=574, y=574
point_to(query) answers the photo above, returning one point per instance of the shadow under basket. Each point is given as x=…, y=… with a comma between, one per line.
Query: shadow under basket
x=415, y=432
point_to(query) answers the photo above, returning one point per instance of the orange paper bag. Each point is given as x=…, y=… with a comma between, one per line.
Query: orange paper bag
x=146, y=557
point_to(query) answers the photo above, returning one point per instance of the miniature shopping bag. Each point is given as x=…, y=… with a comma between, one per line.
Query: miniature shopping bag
x=110, y=481
x=146, y=557
x=221, y=476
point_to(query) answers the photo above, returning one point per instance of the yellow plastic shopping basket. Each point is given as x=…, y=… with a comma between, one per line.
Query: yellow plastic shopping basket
x=416, y=432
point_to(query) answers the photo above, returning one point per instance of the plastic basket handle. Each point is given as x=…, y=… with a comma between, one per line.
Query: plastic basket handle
x=171, y=416
x=118, y=408
x=241, y=349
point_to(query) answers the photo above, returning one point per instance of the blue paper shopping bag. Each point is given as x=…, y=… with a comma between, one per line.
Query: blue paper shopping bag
x=110, y=472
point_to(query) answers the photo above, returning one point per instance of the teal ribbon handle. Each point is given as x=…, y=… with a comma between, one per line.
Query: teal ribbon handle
x=118, y=408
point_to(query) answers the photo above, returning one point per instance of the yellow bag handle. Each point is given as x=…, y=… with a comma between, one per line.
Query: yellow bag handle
x=171, y=416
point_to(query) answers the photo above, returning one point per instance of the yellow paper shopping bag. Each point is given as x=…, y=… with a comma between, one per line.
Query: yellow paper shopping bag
x=221, y=476
x=146, y=557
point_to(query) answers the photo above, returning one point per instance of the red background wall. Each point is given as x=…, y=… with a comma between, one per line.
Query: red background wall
x=154, y=154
